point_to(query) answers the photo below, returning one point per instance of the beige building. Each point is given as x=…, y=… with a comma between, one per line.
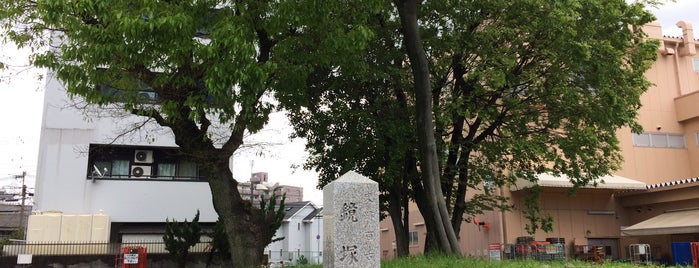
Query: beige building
x=262, y=188
x=653, y=199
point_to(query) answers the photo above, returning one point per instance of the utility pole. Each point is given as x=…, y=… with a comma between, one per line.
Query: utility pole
x=24, y=194
x=252, y=189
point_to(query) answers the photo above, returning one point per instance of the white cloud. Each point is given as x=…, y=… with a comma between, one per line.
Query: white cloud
x=21, y=98
x=670, y=13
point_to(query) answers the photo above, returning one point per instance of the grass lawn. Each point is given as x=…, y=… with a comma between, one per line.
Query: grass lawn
x=415, y=262
x=450, y=262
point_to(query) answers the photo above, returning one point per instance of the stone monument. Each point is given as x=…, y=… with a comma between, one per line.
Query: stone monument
x=351, y=222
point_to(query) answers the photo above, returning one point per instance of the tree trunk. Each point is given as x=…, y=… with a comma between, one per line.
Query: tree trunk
x=407, y=10
x=243, y=224
x=431, y=240
x=399, y=218
x=451, y=166
x=248, y=229
x=460, y=203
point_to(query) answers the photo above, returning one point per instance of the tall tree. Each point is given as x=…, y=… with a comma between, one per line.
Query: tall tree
x=361, y=119
x=533, y=87
x=211, y=63
x=429, y=163
x=517, y=87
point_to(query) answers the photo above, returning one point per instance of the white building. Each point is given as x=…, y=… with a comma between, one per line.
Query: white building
x=302, y=233
x=131, y=183
x=86, y=167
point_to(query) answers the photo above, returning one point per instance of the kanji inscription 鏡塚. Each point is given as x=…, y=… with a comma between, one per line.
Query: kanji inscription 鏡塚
x=349, y=212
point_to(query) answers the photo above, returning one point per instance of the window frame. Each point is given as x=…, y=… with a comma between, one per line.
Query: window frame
x=102, y=159
x=662, y=140
x=413, y=239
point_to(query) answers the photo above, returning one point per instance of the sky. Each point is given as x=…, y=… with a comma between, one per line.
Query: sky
x=21, y=101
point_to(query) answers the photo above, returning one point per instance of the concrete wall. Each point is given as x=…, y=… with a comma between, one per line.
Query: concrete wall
x=55, y=227
x=667, y=107
x=62, y=183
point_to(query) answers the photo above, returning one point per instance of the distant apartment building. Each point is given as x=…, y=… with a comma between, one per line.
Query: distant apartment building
x=12, y=216
x=258, y=187
x=652, y=200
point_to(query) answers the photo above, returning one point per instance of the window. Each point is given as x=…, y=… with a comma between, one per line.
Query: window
x=413, y=241
x=122, y=88
x=114, y=168
x=166, y=170
x=125, y=87
x=120, y=162
x=641, y=140
x=676, y=141
x=659, y=140
x=187, y=169
x=146, y=94
x=489, y=185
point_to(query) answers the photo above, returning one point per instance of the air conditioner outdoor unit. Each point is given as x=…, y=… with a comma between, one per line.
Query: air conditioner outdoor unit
x=138, y=171
x=143, y=157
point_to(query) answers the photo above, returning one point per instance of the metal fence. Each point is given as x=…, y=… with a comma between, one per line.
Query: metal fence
x=277, y=258
x=534, y=251
x=89, y=248
x=280, y=258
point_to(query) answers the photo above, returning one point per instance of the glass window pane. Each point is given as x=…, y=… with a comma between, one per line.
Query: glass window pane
x=120, y=168
x=166, y=170
x=187, y=170
x=413, y=239
x=676, y=141
x=659, y=140
x=641, y=139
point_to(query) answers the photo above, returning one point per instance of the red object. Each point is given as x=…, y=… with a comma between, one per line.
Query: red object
x=540, y=246
x=695, y=253
x=485, y=225
x=523, y=249
x=133, y=257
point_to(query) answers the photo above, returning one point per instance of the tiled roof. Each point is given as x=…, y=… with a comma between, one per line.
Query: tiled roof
x=672, y=183
x=9, y=216
x=677, y=37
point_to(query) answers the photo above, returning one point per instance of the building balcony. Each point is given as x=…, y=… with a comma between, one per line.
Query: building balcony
x=686, y=106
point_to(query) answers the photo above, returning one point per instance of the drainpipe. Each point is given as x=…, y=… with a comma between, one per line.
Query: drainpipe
x=503, y=231
x=677, y=70
x=688, y=41
x=688, y=48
